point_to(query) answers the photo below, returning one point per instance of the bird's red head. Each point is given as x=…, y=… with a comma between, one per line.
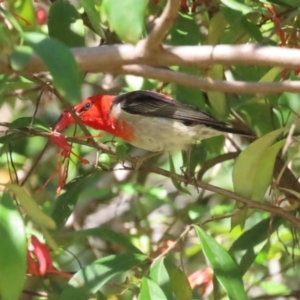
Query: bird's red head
x=93, y=111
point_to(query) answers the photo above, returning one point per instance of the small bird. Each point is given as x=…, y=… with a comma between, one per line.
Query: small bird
x=147, y=120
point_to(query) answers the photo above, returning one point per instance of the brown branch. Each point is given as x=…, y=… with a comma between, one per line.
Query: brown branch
x=162, y=26
x=211, y=84
x=110, y=57
x=127, y=59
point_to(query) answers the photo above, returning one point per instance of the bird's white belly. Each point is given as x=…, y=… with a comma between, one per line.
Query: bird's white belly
x=158, y=134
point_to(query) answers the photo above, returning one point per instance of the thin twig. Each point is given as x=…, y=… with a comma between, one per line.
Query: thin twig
x=172, y=246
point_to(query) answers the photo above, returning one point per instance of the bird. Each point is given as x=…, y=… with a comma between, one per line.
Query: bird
x=147, y=120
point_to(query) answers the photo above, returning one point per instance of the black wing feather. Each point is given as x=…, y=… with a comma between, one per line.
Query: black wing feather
x=153, y=104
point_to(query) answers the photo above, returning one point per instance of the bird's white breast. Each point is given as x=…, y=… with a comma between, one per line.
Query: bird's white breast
x=158, y=134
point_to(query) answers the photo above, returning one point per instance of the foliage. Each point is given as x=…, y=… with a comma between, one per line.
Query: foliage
x=167, y=227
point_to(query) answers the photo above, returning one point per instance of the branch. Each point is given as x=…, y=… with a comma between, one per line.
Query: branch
x=110, y=57
x=161, y=28
x=207, y=84
x=127, y=59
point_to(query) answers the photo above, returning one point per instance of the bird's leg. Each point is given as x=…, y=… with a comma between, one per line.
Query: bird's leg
x=186, y=157
x=140, y=160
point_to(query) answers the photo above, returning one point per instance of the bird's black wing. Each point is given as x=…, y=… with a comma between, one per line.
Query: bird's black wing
x=153, y=104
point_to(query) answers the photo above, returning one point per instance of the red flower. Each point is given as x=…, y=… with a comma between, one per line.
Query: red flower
x=63, y=160
x=202, y=281
x=39, y=260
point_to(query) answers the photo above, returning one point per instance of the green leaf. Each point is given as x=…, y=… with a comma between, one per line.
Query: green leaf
x=245, y=9
x=216, y=28
x=91, y=278
x=160, y=275
x=185, y=31
x=252, y=29
x=167, y=276
x=125, y=17
x=66, y=201
x=247, y=260
x=20, y=58
x=60, y=62
x=257, y=234
x=29, y=122
x=225, y=269
x=264, y=176
x=106, y=234
x=182, y=291
x=151, y=290
x=216, y=99
x=24, y=12
x=13, y=250
x=248, y=164
x=31, y=207
x=10, y=137
x=94, y=16
x=65, y=24
x=271, y=75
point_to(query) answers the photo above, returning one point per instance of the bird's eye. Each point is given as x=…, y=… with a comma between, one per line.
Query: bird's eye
x=87, y=106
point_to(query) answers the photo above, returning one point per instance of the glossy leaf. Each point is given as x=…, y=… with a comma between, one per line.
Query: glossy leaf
x=126, y=18
x=217, y=100
x=167, y=276
x=31, y=207
x=271, y=75
x=225, y=269
x=248, y=164
x=264, y=176
x=91, y=278
x=159, y=274
x=94, y=16
x=183, y=290
x=216, y=28
x=30, y=123
x=65, y=24
x=257, y=234
x=13, y=250
x=60, y=62
x=150, y=290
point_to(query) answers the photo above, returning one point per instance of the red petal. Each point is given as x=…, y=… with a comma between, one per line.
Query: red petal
x=42, y=255
x=60, y=140
x=32, y=266
x=65, y=120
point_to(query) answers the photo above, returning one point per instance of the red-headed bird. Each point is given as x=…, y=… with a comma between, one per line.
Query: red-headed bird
x=147, y=120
